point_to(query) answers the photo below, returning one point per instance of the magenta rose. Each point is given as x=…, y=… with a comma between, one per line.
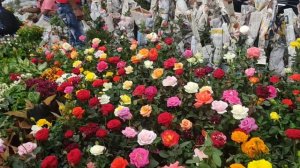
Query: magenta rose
x=139, y=157
x=248, y=124
x=150, y=92
x=173, y=102
x=101, y=66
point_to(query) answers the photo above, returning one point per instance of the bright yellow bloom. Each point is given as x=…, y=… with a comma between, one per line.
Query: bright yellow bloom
x=68, y=96
x=125, y=99
x=90, y=77
x=295, y=44
x=146, y=111
x=239, y=136
x=259, y=164
x=43, y=122
x=77, y=64
x=255, y=146
x=236, y=165
x=157, y=73
x=274, y=116
x=89, y=58
x=91, y=50
x=103, y=56
x=109, y=74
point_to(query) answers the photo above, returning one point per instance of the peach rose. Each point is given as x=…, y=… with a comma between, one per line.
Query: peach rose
x=146, y=111
x=186, y=124
x=157, y=73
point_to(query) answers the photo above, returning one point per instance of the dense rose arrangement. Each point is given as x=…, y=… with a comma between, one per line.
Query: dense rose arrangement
x=152, y=106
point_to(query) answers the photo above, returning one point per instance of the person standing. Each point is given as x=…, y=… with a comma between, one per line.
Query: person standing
x=71, y=13
x=8, y=22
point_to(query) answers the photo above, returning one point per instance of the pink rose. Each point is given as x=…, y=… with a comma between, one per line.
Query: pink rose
x=26, y=148
x=101, y=66
x=231, y=96
x=68, y=89
x=174, y=165
x=119, y=49
x=200, y=154
x=248, y=124
x=253, y=53
x=170, y=81
x=121, y=64
x=272, y=92
x=139, y=157
x=95, y=45
x=82, y=38
x=146, y=137
x=250, y=72
x=129, y=132
x=173, y=102
x=219, y=106
x=188, y=53
x=105, y=27
x=150, y=92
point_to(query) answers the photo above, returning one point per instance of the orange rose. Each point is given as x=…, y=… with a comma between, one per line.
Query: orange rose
x=236, y=165
x=186, y=124
x=135, y=59
x=239, y=136
x=254, y=80
x=144, y=52
x=178, y=66
x=78, y=112
x=203, y=98
x=157, y=73
x=295, y=77
x=119, y=162
x=146, y=111
x=169, y=138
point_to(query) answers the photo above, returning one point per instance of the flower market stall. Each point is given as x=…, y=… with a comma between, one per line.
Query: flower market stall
x=155, y=84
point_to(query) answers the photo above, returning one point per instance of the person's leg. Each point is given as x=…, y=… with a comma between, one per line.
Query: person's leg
x=75, y=29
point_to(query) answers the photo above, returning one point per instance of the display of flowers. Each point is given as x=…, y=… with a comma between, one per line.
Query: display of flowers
x=151, y=106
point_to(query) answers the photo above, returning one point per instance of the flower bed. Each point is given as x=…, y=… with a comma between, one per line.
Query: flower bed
x=118, y=104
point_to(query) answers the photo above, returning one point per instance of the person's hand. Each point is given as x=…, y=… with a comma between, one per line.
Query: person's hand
x=78, y=13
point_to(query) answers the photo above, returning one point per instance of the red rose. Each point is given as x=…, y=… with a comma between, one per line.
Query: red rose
x=158, y=47
x=296, y=92
x=262, y=91
x=69, y=134
x=98, y=83
x=153, y=54
x=169, y=63
x=121, y=71
x=83, y=95
x=139, y=90
x=292, y=133
x=169, y=138
x=76, y=71
x=114, y=124
x=62, y=87
x=106, y=109
x=74, y=80
x=113, y=60
x=295, y=77
x=14, y=76
x=274, y=79
x=218, y=73
x=74, y=157
x=71, y=146
x=49, y=57
x=102, y=48
x=208, y=69
x=200, y=72
x=169, y=40
x=101, y=133
x=165, y=118
x=78, y=112
x=89, y=129
x=50, y=162
x=179, y=72
x=34, y=60
x=287, y=102
x=42, y=135
x=218, y=139
x=116, y=79
x=93, y=102
x=150, y=92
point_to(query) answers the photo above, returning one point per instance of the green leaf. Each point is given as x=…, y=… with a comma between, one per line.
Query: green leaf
x=217, y=160
x=184, y=144
x=153, y=163
x=42, y=66
x=163, y=154
x=204, y=165
x=193, y=161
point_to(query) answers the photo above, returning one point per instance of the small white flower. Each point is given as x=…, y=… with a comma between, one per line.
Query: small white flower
x=191, y=87
x=229, y=57
x=107, y=86
x=128, y=69
x=244, y=29
x=104, y=99
x=97, y=150
x=239, y=112
x=35, y=129
x=98, y=53
x=148, y=64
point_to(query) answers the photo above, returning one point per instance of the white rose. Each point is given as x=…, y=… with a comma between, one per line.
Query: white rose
x=152, y=37
x=229, y=56
x=107, y=86
x=35, y=129
x=191, y=60
x=148, y=64
x=128, y=69
x=66, y=46
x=191, y=87
x=104, y=99
x=146, y=137
x=170, y=81
x=97, y=150
x=239, y=111
x=98, y=53
x=244, y=29
x=127, y=85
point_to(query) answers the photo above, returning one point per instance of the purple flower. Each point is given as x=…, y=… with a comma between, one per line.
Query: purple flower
x=248, y=124
x=125, y=114
x=173, y=101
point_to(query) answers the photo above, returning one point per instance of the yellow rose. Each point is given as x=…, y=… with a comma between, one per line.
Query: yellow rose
x=91, y=50
x=125, y=99
x=103, y=56
x=81, y=70
x=68, y=96
x=90, y=77
x=146, y=111
x=89, y=58
x=157, y=73
x=274, y=116
x=127, y=85
x=109, y=74
x=129, y=69
x=77, y=64
x=186, y=124
x=295, y=44
x=178, y=66
x=43, y=122
x=74, y=54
